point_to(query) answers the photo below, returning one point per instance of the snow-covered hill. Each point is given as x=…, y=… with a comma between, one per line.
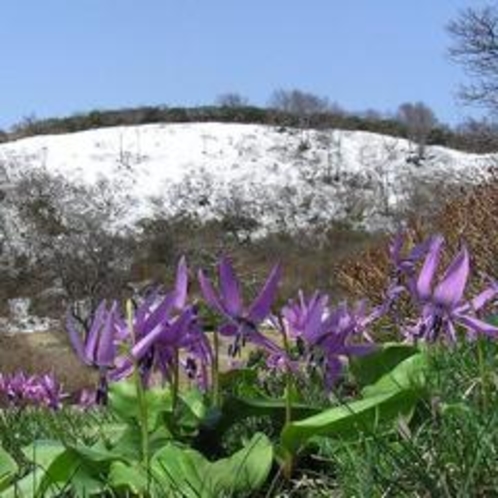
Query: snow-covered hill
x=287, y=175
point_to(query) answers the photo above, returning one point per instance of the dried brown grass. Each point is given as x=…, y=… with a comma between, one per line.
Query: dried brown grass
x=470, y=218
x=44, y=352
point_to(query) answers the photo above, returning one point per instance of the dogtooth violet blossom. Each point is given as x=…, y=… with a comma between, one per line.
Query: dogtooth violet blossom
x=404, y=266
x=297, y=313
x=240, y=322
x=333, y=336
x=98, y=347
x=162, y=325
x=325, y=336
x=19, y=389
x=442, y=303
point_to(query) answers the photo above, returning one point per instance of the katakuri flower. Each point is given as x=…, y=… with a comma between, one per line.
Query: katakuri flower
x=241, y=322
x=443, y=306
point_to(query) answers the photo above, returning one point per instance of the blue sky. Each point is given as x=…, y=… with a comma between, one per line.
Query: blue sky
x=64, y=56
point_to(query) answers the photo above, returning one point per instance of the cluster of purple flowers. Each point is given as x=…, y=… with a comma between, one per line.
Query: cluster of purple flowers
x=165, y=331
x=22, y=390
x=441, y=303
x=161, y=326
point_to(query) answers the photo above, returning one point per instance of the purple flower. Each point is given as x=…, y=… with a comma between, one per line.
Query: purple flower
x=325, y=337
x=87, y=399
x=160, y=345
x=241, y=322
x=36, y=390
x=98, y=348
x=443, y=305
x=404, y=276
x=162, y=326
x=296, y=313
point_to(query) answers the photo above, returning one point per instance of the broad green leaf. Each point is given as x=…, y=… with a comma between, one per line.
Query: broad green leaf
x=129, y=445
x=190, y=412
x=43, y=452
x=25, y=487
x=246, y=470
x=124, y=477
x=8, y=468
x=351, y=419
x=179, y=471
x=236, y=409
x=409, y=373
x=123, y=401
x=187, y=473
x=71, y=471
x=370, y=368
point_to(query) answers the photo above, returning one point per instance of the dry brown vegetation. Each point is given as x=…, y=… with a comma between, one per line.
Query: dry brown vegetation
x=469, y=218
x=44, y=352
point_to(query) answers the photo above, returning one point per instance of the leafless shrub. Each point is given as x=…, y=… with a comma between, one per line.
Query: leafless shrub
x=475, y=47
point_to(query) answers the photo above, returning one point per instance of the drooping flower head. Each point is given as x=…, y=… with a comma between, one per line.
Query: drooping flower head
x=161, y=326
x=442, y=302
x=333, y=334
x=241, y=322
x=20, y=390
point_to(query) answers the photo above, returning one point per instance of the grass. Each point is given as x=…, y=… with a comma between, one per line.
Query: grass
x=449, y=448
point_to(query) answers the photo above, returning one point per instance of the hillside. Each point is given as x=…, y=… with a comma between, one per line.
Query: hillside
x=285, y=175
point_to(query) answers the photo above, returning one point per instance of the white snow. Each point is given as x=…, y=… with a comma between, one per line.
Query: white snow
x=215, y=159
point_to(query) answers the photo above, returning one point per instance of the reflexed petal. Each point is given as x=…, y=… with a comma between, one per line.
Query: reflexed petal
x=160, y=315
x=483, y=298
x=449, y=291
x=142, y=346
x=106, y=350
x=75, y=337
x=424, y=281
x=144, y=309
x=477, y=325
x=260, y=308
x=258, y=338
x=178, y=330
x=451, y=332
x=165, y=333
x=313, y=326
x=92, y=338
x=210, y=294
x=181, y=283
x=230, y=289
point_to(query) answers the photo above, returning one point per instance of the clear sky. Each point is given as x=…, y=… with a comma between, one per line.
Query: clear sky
x=63, y=56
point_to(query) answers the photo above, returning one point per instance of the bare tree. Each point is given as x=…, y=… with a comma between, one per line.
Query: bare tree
x=419, y=120
x=66, y=233
x=299, y=103
x=479, y=136
x=475, y=47
x=232, y=100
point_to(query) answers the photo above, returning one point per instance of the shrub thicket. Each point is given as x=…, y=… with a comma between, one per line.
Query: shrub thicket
x=472, y=137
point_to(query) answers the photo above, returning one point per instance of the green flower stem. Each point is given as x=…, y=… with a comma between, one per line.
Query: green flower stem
x=289, y=384
x=288, y=381
x=216, y=369
x=176, y=379
x=142, y=402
